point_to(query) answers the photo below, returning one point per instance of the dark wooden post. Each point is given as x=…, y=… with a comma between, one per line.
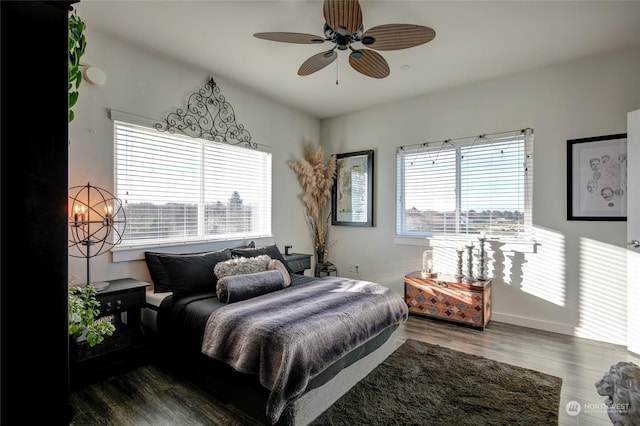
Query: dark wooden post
x=34, y=145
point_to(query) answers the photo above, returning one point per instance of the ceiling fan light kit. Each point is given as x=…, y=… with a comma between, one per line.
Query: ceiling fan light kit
x=343, y=27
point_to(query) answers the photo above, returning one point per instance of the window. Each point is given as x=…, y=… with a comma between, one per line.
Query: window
x=177, y=189
x=466, y=186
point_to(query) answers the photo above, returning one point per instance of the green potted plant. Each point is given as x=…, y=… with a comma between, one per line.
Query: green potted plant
x=77, y=47
x=83, y=312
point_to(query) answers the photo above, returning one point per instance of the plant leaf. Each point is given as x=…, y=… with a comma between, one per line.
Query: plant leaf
x=73, y=98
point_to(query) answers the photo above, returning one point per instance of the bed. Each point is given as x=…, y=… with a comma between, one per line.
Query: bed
x=282, y=354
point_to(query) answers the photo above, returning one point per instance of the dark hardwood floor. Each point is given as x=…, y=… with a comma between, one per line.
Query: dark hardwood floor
x=152, y=395
x=579, y=362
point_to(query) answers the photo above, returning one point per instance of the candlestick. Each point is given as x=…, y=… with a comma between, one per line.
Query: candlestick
x=481, y=260
x=468, y=278
x=76, y=209
x=459, y=252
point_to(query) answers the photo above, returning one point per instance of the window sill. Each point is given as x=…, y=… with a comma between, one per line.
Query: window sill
x=124, y=253
x=501, y=244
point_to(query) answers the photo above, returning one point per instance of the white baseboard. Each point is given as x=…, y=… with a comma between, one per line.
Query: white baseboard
x=537, y=324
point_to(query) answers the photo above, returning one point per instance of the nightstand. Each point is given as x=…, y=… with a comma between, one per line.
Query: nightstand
x=298, y=262
x=120, y=303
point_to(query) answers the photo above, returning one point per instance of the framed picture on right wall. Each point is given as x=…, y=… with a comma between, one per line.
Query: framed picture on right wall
x=597, y=178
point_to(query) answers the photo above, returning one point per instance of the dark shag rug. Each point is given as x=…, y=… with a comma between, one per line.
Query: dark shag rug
x=425, y=384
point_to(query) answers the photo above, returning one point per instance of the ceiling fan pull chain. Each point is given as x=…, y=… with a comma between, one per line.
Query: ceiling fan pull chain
x=337, y=72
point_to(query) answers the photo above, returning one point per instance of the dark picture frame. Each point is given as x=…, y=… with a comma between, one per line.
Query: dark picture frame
x=352, y=191
x=597, y=178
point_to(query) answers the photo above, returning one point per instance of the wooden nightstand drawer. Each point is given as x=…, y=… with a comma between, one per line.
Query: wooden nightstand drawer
x=121, y=296
x=298, y=262
x=120, y=302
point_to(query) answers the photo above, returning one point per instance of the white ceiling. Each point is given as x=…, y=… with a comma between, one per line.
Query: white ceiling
x=475, y=40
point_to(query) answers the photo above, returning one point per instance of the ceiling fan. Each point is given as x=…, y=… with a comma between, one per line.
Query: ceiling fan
x=343, y=27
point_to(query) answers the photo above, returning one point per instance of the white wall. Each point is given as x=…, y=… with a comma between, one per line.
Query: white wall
x=576, y=281
x=150, y=86
x=574, y=284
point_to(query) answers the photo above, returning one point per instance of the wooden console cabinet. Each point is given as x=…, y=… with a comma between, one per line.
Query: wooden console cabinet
x=446, y=297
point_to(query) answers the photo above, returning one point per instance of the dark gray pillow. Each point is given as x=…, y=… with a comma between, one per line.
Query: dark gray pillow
x=191, y=274
x=161, y=283
x=272, y=251
x=234, y=288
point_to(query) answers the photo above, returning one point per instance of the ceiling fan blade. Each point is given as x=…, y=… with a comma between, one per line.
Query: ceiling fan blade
x=298, y=38
x=369, y=63
x=343, y=16
x=397, y=36
x=317, y=62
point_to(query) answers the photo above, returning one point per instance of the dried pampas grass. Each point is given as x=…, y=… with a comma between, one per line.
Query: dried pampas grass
x=316, y=179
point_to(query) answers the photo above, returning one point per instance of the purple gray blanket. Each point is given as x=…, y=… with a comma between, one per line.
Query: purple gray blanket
x=288, y=337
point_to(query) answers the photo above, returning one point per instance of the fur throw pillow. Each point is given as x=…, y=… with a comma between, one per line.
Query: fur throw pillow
x=241, y=266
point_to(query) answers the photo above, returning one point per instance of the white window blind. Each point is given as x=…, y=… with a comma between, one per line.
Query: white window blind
x=466, y=186
x=180, y=189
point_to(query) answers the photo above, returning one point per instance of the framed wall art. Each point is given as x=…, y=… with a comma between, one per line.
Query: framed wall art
x=597, y=178
x=352, y=192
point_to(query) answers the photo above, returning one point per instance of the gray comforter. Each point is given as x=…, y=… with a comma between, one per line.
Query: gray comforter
x=289, y=336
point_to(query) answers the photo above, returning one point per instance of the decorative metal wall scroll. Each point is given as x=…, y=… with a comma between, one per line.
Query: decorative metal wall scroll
x=208, y=116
